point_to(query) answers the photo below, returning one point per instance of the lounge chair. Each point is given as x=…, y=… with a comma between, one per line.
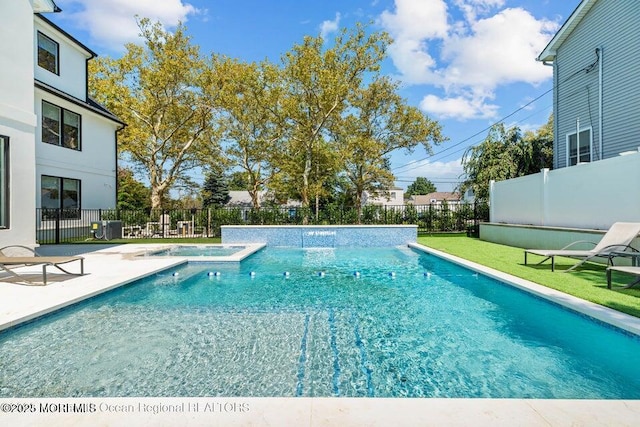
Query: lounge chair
x=13, y=256
x=616, y=239
x=627, y=269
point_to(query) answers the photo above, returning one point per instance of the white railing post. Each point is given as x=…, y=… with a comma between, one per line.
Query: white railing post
x=492, y=202
x=544, y=173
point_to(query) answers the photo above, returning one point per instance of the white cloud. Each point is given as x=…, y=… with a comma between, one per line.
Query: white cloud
x=501, y=49
x=111, y=23
x=417, y=19
x=459, y=107
x=468, y=58
x=328, y=27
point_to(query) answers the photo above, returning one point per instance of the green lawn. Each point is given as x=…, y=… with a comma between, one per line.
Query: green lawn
x=589, y=282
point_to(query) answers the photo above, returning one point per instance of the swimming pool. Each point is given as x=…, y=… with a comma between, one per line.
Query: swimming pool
x=342, y=322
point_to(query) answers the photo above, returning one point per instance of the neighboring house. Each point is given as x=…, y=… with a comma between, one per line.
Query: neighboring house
x=391, y=197
x=57, y=147
x=436, y=198
x=241, y=199
x=596, y=95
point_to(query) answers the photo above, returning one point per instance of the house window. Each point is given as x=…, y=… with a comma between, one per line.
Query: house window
x=60, y=193
x=48, y=53
x=579, y=149
x=4, y=182
x=60, y=127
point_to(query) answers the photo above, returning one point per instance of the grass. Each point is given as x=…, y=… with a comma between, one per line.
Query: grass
x=589, y=282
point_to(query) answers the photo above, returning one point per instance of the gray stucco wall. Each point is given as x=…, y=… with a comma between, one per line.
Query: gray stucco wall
x=321, y=236
x=612, y=26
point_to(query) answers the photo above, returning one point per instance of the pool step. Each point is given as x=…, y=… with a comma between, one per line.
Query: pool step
x=333, y=357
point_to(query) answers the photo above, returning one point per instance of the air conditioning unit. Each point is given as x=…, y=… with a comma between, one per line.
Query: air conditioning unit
x=106, y=230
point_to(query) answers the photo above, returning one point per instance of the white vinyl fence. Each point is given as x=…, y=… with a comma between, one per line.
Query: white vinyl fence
x=588, y=195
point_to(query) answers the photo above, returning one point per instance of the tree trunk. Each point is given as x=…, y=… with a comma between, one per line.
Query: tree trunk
x=359, y=205
x=156, y=198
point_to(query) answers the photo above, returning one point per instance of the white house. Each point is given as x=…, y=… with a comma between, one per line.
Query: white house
x=57, y=146
x=391, y=197
x=436, y=198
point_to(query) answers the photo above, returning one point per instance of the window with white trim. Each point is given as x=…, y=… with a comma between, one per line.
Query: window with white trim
x=60, y=127
x=579, y=149
x=48, y=53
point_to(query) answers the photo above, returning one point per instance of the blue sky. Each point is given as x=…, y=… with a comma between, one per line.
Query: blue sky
x=465, y=63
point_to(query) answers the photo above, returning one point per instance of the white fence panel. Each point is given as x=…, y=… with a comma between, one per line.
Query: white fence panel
x=591, y=195
x=519, y=198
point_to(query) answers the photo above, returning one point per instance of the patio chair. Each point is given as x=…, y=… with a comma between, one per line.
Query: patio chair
x=627, y=269
x=616, y=240
x=12, y=256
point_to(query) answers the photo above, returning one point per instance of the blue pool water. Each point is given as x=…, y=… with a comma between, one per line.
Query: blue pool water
x=321, y=330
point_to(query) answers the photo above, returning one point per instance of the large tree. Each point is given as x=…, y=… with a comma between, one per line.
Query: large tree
x=251, y=135
x=319, y=79
x=378, y=122
x=504, y=154
x=157, y=90
x=420, y=186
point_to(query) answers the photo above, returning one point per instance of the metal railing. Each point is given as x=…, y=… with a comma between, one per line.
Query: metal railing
x=73, y=225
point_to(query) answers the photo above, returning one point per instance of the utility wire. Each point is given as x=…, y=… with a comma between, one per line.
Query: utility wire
x=474, y=135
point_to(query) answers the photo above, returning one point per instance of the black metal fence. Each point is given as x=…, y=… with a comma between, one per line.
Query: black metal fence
x=73, y=225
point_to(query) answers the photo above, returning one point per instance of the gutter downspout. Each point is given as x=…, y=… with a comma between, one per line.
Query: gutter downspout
x=600, y=66
x=117, y=167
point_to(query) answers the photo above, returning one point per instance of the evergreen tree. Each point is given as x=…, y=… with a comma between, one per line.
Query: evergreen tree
x=215, y=191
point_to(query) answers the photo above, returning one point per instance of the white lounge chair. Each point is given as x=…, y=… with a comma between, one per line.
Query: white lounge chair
x=627, y=269
x=13, y=256
x=616, y=239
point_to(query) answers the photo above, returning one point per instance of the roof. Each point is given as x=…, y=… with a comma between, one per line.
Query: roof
x=425, y=199
x=240, y=198
x=91, y=53
x=41, y=6
x=549, y=52
x=90, y=104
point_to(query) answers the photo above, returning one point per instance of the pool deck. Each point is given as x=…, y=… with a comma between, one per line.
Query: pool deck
x=108, y=267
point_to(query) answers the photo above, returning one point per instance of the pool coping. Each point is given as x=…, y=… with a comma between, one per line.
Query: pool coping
x=327, y=411
x=249, y=249
x=604, y=314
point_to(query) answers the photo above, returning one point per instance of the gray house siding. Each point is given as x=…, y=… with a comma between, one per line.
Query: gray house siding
x=612, y=27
